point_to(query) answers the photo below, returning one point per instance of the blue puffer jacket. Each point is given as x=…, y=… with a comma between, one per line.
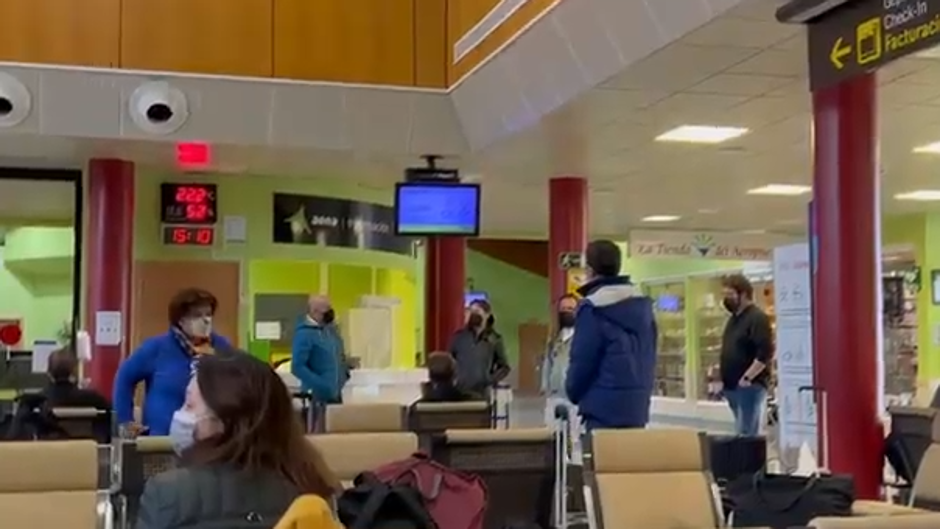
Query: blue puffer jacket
x=613, y=355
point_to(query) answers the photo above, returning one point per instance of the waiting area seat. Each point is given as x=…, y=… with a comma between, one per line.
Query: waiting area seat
x=517, y=465
x=913, y=521
x=50, y=484
x=364, y=417
x=650, y=478
x=350, y=454
x=436, y=417
x=141, y=459
x=84, y=423
x=925, y=491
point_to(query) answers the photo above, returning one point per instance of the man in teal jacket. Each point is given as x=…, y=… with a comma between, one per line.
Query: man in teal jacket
x=317, y=353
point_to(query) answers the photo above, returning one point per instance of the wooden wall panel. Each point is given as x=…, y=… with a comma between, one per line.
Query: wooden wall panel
x=230, y=37
x=68, y=32
x=506, y=32
x=353, y=41
x=531, y=256
x=431, y=42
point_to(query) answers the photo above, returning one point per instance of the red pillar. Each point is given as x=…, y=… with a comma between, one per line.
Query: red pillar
x=108, y=250
x=845, y=186
x=445, y=285
x=567, y=226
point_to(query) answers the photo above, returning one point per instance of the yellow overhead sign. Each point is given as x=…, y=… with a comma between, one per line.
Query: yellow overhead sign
x=864, y=35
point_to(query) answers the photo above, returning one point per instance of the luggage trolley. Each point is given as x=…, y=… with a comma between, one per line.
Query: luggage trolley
x=566, y=456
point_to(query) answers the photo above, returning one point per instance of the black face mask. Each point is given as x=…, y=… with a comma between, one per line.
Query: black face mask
x=475, y=321
x=329, y=317
x=731, y=305
x=565, y=320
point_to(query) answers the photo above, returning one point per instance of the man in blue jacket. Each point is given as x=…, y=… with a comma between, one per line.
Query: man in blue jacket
x=613, y=352
x=317, y=351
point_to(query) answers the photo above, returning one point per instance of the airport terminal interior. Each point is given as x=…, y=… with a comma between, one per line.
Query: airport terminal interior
x=445, y=155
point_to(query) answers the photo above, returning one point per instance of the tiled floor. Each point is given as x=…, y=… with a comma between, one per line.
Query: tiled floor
x=528, y=412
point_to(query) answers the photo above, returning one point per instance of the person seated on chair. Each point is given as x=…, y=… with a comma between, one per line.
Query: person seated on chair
x=63, y=390
x=244, y=455
x=442, y=380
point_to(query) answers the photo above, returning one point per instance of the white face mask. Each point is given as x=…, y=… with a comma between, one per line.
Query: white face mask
x=198, y=327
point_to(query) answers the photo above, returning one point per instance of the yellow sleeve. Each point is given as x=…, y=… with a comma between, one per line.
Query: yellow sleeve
x=309, y=512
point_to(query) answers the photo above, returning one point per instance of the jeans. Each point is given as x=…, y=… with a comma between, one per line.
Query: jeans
x=746, y=404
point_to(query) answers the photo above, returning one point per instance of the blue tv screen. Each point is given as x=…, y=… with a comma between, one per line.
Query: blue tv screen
x=437, y=208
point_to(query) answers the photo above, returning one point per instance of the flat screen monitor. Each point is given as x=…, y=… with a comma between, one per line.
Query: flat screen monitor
x=470, y=297
x=437, y=208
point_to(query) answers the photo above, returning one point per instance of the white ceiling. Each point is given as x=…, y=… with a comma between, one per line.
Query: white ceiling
x=742, y=69
x=25, y=201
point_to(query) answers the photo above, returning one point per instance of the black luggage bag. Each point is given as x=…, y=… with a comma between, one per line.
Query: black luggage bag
x=784, y=501
x=731, y=457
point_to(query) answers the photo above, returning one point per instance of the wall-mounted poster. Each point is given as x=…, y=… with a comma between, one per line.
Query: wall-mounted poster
x=323, y=221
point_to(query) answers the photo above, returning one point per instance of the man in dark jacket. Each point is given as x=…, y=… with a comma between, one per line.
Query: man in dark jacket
x=613, y=352
x=479, y=352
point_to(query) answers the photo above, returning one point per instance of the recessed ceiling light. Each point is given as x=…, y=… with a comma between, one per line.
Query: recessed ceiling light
x=702, y=134
x=921, y=195
x=661, y=218
x=708, y=211
x=753, y=232
x=930, y=148
x=787, y=190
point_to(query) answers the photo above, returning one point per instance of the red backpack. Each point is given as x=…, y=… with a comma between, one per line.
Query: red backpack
x=456, y=500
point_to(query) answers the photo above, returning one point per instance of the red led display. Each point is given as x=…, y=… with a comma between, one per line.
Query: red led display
x=193, y=155
x=188, y=204
x=188, y=235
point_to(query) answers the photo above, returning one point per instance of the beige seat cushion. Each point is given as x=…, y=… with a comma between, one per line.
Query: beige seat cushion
x=31, y=510
x=49, y=484
x=637, y=471
x=486, y=435
x=913, y=521
x=881, y=508
x=377, y=417
x=639, y=500
x=350, y=454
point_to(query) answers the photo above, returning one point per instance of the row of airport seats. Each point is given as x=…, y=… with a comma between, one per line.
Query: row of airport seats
x=633, y=478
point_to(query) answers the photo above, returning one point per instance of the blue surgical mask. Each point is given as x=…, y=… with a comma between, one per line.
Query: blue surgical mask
x=183, y=430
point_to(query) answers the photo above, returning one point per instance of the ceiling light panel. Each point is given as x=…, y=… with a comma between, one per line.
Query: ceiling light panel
x=661, y=218
x=783, y=190
x=921, y=195
x=930, y=148
x=706, y=134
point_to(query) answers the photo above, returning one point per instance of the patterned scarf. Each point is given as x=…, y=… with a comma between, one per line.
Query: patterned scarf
x=196, y=347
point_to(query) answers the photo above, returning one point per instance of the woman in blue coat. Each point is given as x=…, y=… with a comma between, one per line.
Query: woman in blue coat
x=165, y=363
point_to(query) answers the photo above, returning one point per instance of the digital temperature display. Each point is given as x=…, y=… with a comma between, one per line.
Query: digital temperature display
x=188, y=203
x=188, y=235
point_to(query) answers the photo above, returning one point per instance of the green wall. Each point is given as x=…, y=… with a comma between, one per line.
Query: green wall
x=36, y=280
x=284, y=268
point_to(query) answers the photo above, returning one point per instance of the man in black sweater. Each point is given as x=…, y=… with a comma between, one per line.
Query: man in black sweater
x=746, y=352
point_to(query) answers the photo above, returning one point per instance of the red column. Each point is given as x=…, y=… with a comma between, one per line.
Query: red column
x=108, y=250
x=445, y=285
x=567, y=226
x=845, y=186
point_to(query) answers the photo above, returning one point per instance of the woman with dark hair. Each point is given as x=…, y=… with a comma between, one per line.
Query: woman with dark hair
x=245, y=458
x=165, y=363
x=479, y=351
